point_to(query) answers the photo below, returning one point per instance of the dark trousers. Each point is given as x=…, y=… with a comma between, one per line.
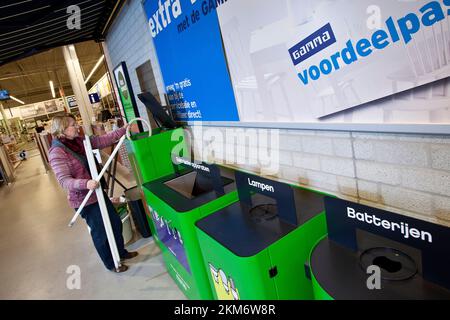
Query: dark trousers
x=93, y=217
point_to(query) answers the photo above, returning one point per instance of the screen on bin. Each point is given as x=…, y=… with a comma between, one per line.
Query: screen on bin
x=157, y=110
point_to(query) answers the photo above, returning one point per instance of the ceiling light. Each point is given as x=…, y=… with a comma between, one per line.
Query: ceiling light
x=95, y=68
x=52, y=88
x=15, y=99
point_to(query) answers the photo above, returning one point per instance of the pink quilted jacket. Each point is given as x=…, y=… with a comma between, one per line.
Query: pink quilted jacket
x=72, y=174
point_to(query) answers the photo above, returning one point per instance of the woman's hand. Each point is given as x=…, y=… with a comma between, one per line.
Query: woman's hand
x=92, y=185
x=133, y=127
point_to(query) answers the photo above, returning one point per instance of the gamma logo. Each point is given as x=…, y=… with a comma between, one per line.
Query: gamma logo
x=316, y=42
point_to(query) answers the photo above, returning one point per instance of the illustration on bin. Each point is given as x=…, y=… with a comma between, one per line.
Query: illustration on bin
x=257, y=247
x=376, y=254
x=176, y=202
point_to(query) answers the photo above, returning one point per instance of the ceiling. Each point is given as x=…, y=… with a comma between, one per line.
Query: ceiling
x=28, y=79
x=31, y=33
x=31, y=26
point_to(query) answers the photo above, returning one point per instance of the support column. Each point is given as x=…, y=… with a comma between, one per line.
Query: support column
x=8, y=129
x=79, y=88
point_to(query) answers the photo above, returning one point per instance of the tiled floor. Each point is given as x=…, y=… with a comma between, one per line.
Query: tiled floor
x=37, y=248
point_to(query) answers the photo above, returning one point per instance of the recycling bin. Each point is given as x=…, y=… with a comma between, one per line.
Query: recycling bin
x=151, y=158
x=373, y=254
x=176, y=202
x=257, y=248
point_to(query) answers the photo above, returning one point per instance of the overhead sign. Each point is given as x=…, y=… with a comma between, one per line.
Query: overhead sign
x=4, y=95
x=71, y=101
x=188, y=43
x=94, y=98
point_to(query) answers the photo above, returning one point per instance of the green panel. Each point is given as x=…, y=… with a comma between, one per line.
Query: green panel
x=194, y=284
x=244, y=277
x=290, y=254
x=127, y=104
x=250, y=275
x=151, y=156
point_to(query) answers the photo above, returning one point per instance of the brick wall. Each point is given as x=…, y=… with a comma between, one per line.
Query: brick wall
x=408, y=174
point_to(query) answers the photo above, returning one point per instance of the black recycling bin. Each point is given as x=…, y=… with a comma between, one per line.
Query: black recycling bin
x=138, y=212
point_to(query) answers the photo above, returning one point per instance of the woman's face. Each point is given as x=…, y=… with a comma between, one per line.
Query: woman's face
x=71, y=131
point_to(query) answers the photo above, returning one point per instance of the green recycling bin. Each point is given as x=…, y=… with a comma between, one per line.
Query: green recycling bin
x=176, y=202
x=257, y=248
x=151, y=158
x=373, y=254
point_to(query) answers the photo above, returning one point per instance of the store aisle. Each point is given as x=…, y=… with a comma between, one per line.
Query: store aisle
x=37, y=247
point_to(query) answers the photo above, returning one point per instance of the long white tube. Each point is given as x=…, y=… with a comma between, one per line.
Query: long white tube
x=108, y=162
x=102, y=204
x=100, y=175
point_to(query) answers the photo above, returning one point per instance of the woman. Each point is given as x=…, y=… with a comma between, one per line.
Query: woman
x=67, y=158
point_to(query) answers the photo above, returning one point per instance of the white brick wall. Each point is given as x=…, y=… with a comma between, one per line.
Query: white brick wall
x=378, y=172
x=407, y=174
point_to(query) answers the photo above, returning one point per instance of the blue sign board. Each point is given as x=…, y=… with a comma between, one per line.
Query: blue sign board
x=4, y=95
x=189, y=47
x=94, y=98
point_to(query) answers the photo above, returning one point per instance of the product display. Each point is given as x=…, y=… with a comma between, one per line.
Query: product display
x=176, y=201
x=375, y=254
x=257, y=248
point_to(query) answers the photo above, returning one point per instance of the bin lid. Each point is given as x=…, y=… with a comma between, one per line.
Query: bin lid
x=247, y=231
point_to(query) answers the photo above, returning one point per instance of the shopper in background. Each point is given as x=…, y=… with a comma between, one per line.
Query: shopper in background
x=68, y=160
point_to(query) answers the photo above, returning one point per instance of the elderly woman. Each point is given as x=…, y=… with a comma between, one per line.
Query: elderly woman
x=67, y=158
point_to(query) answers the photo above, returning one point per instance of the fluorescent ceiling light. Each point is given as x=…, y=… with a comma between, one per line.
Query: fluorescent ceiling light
x=95, y=68
x=15, y=99
x=52, y=88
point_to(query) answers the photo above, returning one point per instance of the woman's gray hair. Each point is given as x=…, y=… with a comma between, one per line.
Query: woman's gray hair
x=60, y=124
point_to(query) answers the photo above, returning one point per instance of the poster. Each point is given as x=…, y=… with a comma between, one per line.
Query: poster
x=188, y=44
x=51, y=106
x=126, y=92
x=359, y=61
